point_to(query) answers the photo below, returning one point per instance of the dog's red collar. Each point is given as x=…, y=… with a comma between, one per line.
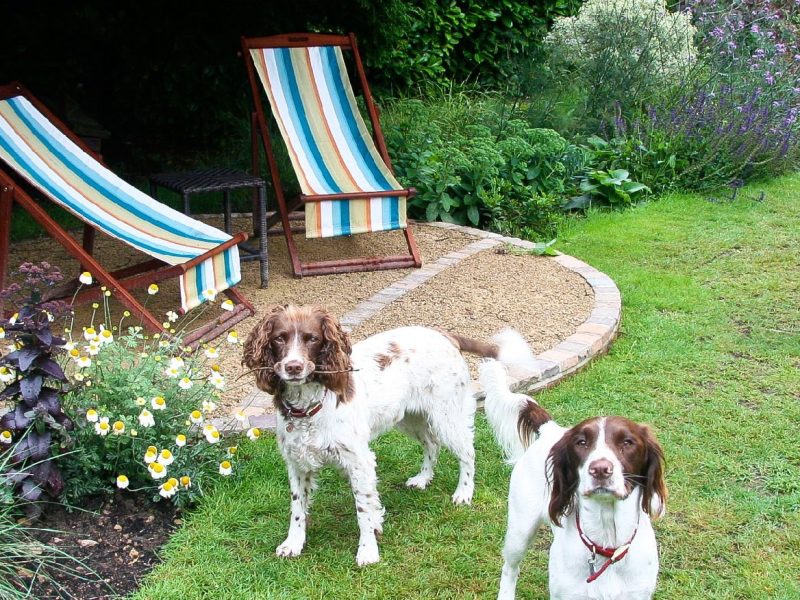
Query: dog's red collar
x=612, y=555
x=301, y=413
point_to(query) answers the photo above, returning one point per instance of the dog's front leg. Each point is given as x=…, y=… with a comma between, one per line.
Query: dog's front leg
x=360, y=468
x=301, y=485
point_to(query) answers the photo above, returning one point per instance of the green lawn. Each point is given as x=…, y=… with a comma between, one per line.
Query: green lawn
x=709, y=353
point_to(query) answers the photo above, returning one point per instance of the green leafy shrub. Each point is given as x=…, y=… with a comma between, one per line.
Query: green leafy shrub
x=471, y=162
x=613, y=188
x=608, y=61
x=141, y=408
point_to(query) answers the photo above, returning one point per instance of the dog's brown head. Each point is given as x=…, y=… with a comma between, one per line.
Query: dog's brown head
x=295, y=344
x=605, y=458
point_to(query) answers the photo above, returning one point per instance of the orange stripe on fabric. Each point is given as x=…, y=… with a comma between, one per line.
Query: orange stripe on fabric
x=266, y=82
x=332, y=141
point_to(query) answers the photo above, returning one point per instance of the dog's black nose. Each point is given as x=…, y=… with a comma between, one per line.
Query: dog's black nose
x=601, y=468
x=294, y=367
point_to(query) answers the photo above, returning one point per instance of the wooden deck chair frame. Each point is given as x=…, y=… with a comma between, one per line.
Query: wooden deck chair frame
x=285, y=208
x=122, y=281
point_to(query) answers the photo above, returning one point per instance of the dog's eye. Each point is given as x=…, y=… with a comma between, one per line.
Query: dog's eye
x=627, y=443
x=580, y=442
x=311, y=338
x=280, y=340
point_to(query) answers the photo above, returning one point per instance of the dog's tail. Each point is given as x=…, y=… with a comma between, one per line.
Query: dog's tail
x=515, y=418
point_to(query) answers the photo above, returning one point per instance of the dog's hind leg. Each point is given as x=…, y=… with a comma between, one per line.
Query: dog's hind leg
x=454, y=429
x=416, y=426
x=302, y=485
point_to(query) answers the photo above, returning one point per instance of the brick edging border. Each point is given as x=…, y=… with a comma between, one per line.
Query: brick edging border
x=591, y=338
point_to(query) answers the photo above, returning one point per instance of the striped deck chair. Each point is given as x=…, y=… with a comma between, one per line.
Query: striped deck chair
x=345, y=175
x=37, y=150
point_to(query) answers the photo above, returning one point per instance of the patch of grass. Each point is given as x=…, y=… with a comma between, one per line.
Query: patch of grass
x=709, y=353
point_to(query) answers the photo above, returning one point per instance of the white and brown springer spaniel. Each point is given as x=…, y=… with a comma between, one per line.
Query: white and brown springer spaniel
x=331, y=400
x=596, y=484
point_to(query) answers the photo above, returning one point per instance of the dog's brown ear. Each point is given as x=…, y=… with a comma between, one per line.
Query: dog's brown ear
x=654, y=495
x=562, y=473
x=335, y=356
x=258, y=354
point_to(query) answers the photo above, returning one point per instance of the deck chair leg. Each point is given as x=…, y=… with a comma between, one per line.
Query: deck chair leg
x=6, y=204
x=413, y=249
x=88, y=241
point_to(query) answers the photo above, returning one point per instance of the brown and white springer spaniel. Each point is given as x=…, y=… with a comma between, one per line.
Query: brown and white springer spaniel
x=332, y=399
x=596, y=484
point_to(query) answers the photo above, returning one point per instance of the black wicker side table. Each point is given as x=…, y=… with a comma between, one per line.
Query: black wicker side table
x=222, y=180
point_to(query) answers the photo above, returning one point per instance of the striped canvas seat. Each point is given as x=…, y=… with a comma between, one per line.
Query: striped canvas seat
x=329, y=145
x=50, y=161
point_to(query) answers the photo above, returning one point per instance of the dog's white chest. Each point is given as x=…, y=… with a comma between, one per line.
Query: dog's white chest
x=301, y=442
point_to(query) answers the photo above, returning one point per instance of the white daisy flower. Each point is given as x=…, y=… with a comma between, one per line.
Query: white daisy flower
x=209, y=406
x=146, y=418
x=212, y=352
x=140, y=401
x=172, y=316
x=180, y=440
x=240, y=416
x=5, y=437
x=254, y=433
x=118, y=428
x=122, y=482
x=211, y=434
x=89, y=334
x=233, y=337
x=151, y=455
x=196, y=416
x=176, y=362
x=78, y=376
x=169, y=488
x=13, y=319
x=83, y=362
x=92, y=349
x=158, y=403
x=152, y=289
x=186, y=481
x=92, y=416
x=225, y=468
x=185, y=383
x=210, y=295
x=102, y=427
x=165, y=457
x=157, y=470
x=2, y=333
x=227, y=305
x=106, y=336
x=217, y=380
x=172, y=372
x=162, y=344
x=85, y=278
x=7, y=375
x=69, y=346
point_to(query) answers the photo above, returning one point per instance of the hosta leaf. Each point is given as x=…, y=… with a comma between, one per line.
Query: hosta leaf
x=577, y=203
x=619, y=174
x=30, y=388
x=473, y=215
x=432, y=212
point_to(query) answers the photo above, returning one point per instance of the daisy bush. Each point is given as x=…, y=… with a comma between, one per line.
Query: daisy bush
x=141, y=405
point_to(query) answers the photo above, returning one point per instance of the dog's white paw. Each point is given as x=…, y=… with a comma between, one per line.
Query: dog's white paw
x=367, y=554
x=462, y=497
x=289, y=548
x=419, y=482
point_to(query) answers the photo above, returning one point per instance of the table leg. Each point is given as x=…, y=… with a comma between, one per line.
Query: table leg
x=262, y=235
x=227, y=210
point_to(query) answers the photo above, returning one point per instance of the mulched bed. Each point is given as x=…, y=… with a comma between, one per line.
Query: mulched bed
x=116, y=537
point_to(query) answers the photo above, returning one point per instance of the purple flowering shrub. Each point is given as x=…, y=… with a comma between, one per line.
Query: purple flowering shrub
x=35, y=422
x=735, y=116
